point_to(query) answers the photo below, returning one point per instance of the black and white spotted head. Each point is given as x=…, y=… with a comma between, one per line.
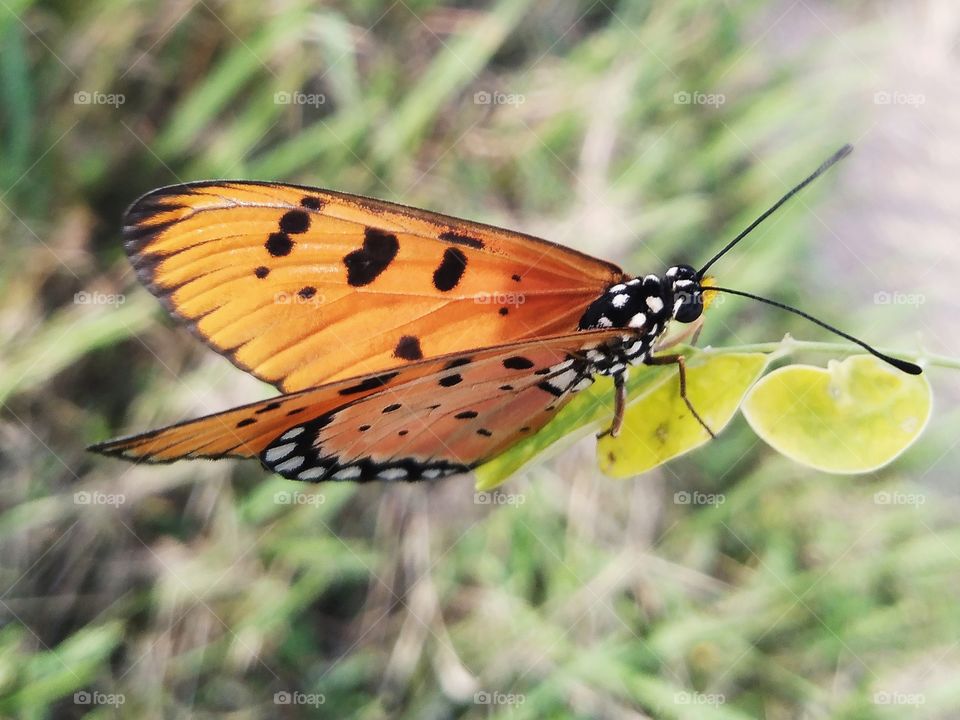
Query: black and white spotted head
x=686, y=293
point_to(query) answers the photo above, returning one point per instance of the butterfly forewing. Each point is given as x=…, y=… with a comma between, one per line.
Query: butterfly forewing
x=427, y=419
x=301, y=286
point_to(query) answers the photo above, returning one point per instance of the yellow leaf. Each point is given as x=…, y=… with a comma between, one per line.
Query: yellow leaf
x=853, y=416
x=658, y=425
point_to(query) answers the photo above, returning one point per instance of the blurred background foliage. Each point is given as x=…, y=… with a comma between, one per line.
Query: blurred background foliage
x=643, y=132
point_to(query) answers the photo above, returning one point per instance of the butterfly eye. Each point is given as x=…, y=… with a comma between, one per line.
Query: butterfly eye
x=689, y=306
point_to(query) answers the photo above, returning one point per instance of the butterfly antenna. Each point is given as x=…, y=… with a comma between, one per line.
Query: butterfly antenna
x=832, y=160
x=907, y=367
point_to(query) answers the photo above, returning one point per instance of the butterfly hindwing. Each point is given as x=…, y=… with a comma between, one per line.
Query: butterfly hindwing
x=426, y=420
x=301, y=286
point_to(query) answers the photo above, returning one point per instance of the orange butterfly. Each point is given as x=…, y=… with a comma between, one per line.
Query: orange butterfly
x=408, y=345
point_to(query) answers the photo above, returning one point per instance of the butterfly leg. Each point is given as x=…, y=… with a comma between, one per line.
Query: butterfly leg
x=681, y=364
x=619, y=406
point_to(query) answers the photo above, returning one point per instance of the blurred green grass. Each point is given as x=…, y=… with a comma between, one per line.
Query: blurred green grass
x=210, y=588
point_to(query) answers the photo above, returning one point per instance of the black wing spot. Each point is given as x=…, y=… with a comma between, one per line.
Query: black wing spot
x=270, y=407
x=466, y=415
x=503, y=311
x=408, y=348
x=312, y=203
x=516, y=278
x=390, y=408
x=552, y=389
x=451, y=380
x=525, y=428
x=461, y=239
x=371, y=383
x=307, y=292
x=451, y=269
x=542, y=371
x=506, y=388
x=402, y=433
x=295, y=222
x=378, y=251
x=518, y=362
x=296, y=411
x=363, y=428
x=245, y=422
x=484, y=432
x=262, y=271
x=279, y=244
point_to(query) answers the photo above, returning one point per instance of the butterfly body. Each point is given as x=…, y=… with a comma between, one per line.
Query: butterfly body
x=408, y=345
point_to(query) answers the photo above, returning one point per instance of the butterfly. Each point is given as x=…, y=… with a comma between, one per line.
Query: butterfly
x=406, y=344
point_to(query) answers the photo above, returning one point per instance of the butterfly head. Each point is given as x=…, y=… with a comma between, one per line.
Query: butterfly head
x=685, y=293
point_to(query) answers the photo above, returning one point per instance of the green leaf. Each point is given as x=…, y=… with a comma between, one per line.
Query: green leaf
x=658, y=425
x=853, y=416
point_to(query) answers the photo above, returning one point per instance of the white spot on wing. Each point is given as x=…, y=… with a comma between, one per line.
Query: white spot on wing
x=620, y=300
x=393, y=473
x=604, y=321
x=638, y=320
x=432, y=473
x=655, y=304
x=348, y=473
x=291, y=434
x=291, y=464
x=618, y=288
x=312, y=473
x=280, y=451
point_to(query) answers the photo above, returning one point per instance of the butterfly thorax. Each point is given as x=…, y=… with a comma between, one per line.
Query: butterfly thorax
x=644, y=306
